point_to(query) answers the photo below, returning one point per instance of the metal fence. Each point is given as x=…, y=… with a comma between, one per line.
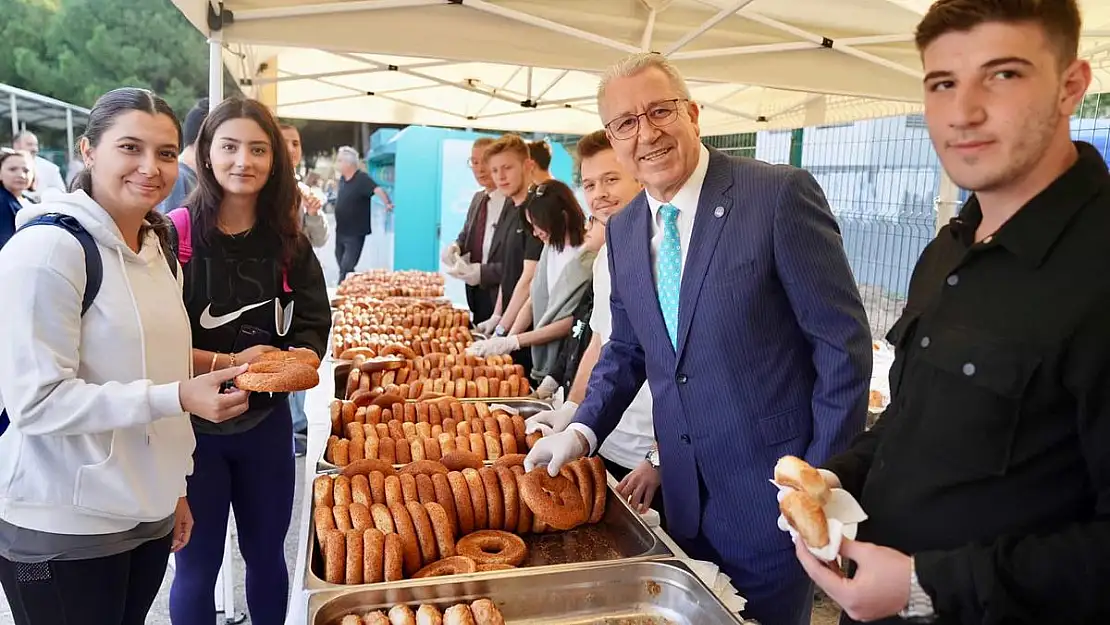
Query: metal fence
x=881, y=178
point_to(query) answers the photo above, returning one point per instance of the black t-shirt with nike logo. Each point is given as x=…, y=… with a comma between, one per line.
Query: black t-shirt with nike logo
x=238, y=281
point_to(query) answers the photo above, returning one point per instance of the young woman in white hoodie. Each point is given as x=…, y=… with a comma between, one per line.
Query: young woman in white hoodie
x=93, y=466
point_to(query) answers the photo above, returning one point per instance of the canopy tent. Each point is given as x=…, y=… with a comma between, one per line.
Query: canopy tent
x=533, y=64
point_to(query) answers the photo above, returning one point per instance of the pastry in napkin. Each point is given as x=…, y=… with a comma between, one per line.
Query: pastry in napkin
x=843, y=513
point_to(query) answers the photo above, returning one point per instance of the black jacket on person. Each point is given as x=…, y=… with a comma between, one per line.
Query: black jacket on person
x=992, y=464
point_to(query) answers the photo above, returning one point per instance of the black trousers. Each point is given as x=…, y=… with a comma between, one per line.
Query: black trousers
x=481, y=302
x=656, y=502
x=116, y=590
x=348, y=251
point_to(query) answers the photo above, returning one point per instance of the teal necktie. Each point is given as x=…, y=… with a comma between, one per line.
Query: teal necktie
x=670, y=271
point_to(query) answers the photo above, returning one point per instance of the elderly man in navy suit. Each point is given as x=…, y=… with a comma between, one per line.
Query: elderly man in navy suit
x=732, y=297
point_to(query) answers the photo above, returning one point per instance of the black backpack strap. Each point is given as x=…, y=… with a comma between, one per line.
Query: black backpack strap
x=169, y=248
x=94, y=266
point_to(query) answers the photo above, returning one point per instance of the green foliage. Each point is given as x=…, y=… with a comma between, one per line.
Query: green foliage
x=75, y=50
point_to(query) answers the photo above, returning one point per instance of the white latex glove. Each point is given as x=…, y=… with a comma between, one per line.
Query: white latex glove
x=489, y=325
x=496, y=346
x=449, y=254
x=471, y=274
x=556, y=450
x=550, y=421
x=546, y=388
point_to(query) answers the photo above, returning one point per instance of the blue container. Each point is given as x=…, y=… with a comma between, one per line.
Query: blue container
x=425, y=172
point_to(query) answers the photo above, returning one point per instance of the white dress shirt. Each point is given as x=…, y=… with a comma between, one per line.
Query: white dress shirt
x=493, y=213
x=686, y=201
x=633, y=437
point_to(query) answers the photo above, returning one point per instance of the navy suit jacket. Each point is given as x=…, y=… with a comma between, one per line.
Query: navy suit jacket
x=773, y=357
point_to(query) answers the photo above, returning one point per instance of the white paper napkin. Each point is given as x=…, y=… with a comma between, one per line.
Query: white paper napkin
x=508, y=409
x=843, y=513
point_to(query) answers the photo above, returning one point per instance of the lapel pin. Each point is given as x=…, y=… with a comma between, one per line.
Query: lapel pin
x=719, y=211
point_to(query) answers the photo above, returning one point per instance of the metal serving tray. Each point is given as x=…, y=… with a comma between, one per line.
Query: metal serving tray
x=633, y=593
x=526, y=406
x=620, y=535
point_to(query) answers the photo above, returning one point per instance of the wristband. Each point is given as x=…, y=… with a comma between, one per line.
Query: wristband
x=212, y=367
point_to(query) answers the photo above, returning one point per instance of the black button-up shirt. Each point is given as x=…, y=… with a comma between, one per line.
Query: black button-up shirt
x=992, y=463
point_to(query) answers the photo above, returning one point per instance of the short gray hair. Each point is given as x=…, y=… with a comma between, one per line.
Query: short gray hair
x=349, y=154
x=639, y=62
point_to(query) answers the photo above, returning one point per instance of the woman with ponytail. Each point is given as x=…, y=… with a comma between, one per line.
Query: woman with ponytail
x=93, y=465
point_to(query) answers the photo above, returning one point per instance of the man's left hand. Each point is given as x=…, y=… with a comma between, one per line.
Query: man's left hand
x=182, y=525
x=638, y=487
x=496, y=346
x=880, y=588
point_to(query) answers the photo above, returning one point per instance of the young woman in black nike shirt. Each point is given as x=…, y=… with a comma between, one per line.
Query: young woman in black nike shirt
x=252, y=284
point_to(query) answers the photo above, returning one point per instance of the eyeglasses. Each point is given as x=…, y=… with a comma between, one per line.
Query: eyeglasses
x=660, y=114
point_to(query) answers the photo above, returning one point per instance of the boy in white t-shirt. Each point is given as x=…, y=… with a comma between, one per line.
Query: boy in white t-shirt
x=629, y=452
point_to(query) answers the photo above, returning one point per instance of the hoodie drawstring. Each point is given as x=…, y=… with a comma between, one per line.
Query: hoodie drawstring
x=138, y=320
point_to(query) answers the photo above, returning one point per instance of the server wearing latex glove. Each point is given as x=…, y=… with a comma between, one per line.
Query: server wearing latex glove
x=475, y=256
x=551, y=421
x=489, y=326
x=629, y=452
x=733, y=298
x=494, y=346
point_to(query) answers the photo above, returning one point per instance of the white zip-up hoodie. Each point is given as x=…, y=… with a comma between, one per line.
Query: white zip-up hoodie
x=99, y=441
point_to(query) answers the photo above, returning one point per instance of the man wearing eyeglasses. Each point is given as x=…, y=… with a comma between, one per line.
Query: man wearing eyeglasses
x=467, y=254
x=732, y=296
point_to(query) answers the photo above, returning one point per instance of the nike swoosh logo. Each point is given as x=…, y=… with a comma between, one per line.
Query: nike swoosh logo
x=208, y=322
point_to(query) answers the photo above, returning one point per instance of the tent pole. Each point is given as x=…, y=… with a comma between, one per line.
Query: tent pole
x=721, y=16
x=70, y=147
x=15, y=114
x=215, y=69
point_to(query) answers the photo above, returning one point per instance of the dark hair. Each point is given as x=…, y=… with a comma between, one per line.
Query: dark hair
x=1060, y=20
x=102, y=117
x=193, y=119
x=274, y=209
x=591, y=145
x=552, y=207
x=540, y=153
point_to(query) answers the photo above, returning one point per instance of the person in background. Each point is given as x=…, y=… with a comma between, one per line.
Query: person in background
x=315, y=228
x=987, y=480
x=352, y=209
x=511, y=167
x=93, y=467
x=562, y=277
x=540, y=154
x=252, y=285
x=732, y=295
x=313, y=223
x=187, y=161
x=629, y=452
x=44, y=173
x=15, y=176
x=482, y=271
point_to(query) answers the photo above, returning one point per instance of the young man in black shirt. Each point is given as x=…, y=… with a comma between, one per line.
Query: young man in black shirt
x=352, y=210
x=511, y=165
x=987, y=480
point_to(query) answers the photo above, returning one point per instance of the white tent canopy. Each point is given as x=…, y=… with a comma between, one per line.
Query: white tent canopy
x=533, y=64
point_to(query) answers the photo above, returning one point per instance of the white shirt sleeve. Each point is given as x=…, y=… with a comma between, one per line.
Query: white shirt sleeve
x=42, y=271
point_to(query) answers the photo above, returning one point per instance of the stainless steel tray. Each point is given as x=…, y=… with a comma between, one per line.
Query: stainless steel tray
x=620, y=535
x=640, y=593
x=526, y=406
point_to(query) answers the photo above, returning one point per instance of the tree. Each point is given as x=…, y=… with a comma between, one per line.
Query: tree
x=75, y=50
